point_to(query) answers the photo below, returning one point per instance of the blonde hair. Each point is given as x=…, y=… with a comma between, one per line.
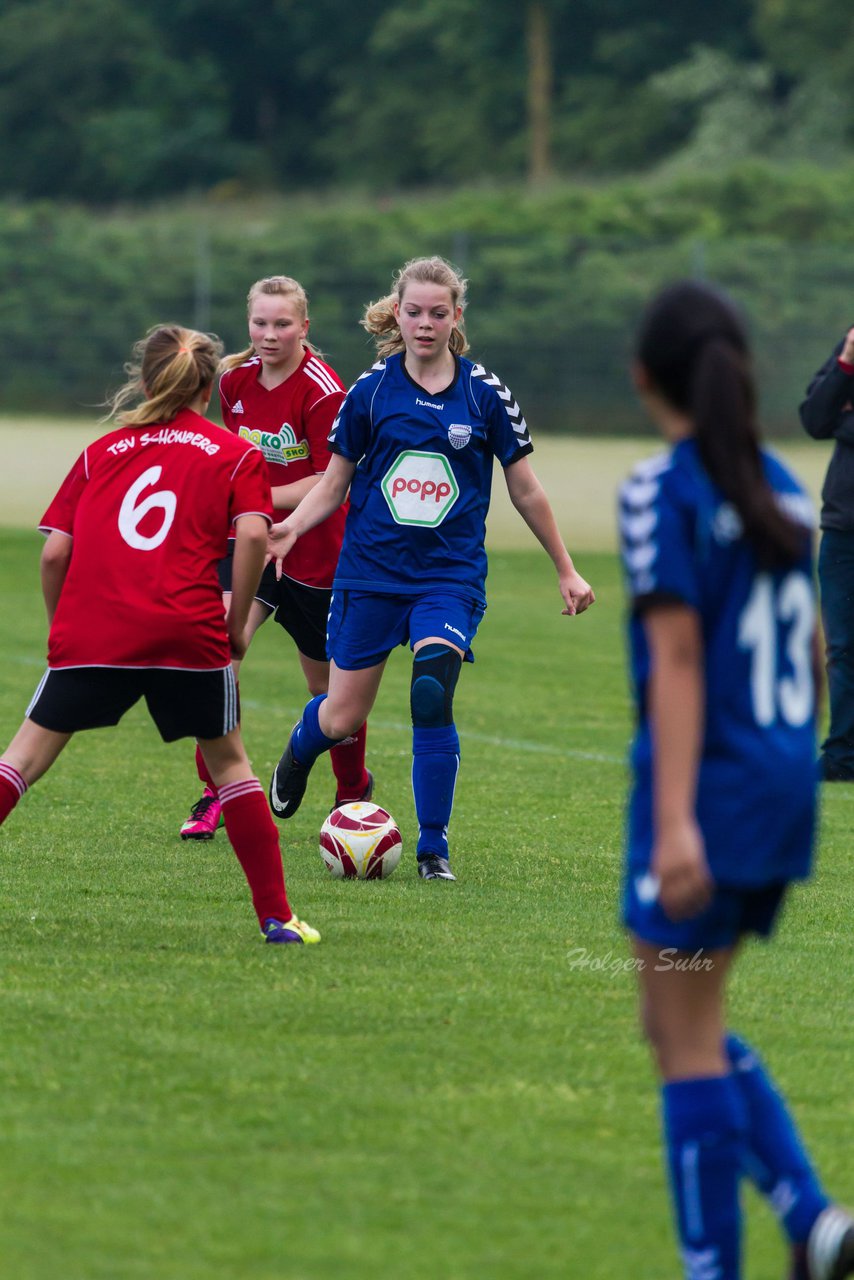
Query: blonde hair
x=379, y=318
x=273, y=286
x=171, y=365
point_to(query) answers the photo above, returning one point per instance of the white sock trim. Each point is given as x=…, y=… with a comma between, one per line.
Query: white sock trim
x=825, y=1239
x=11, y=775
x=236, y=790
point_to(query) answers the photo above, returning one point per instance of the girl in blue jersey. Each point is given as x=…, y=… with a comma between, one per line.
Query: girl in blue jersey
x=414, y=443
x=717, y=554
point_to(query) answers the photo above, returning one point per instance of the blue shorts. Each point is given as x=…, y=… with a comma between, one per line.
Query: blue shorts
x=733, y=911
x=365, y=626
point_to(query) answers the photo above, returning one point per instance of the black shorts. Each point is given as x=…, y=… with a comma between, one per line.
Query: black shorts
x=302, y=611
x=183, y=704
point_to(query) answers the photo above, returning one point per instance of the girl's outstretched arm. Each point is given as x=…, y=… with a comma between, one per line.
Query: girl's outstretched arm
x=325, y=497
x=529, y=498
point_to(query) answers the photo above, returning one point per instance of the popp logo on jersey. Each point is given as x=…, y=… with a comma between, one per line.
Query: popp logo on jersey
x=420, y=488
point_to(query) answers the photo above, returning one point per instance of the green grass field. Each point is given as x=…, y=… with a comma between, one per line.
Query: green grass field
x=443, y=1087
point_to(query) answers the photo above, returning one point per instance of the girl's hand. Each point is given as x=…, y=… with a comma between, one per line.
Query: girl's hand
x=680, y=866
x=280, y=539
x=847, y=352
x=238, y=643
x=577, y=594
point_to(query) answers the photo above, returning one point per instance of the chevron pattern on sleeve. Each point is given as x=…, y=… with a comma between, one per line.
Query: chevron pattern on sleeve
x=333, y=430
x=505, y=395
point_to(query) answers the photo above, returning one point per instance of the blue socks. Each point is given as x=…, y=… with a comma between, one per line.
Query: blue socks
x=717, y=1128
x=309, y=741
x=705, y=1122
x=775, y=1158
x=435, y=764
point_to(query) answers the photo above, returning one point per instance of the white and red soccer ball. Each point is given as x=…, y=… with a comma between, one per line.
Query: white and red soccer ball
x=360, y=841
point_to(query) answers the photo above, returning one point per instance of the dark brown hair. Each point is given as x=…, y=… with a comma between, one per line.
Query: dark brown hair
x=693, y=345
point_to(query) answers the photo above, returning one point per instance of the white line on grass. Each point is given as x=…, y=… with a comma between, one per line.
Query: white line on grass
x=490, y=740
x=393, y=726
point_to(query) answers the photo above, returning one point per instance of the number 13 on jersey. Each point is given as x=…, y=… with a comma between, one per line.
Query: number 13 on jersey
x=780, y=615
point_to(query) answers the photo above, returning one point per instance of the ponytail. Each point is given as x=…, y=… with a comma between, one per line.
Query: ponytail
x=695, y=350
x=171, y=366
x=723, y=410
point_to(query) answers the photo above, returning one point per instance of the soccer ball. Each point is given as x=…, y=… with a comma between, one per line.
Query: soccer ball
x=360, y=841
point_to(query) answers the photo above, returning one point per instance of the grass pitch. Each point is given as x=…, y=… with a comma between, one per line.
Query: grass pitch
x=452, y=1084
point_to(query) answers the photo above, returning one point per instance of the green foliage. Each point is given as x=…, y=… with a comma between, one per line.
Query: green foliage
x=442, y=1087
x=558, y=278
x=93, y=106
x=738, y=113
x=101, y=100
x=806, y=36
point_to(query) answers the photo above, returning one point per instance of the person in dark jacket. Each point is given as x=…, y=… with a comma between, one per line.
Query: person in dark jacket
x=828, y=413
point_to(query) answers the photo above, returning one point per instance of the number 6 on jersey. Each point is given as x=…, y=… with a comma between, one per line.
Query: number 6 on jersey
x=132, y=515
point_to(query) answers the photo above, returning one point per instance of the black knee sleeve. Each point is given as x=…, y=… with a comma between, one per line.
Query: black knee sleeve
x=435, y=671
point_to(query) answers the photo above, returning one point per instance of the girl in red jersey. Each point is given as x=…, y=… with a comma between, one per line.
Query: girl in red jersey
x=280, y=395
x=131, y=615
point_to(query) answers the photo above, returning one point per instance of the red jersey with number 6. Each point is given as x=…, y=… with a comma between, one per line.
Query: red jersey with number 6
x=149, y=509
x=289, y=424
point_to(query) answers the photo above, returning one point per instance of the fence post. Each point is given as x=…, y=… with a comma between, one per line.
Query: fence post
x=202, y=284
x=698, y=260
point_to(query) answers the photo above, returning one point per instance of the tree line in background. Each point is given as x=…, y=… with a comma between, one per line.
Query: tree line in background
x=557, y=280
x=105, y=100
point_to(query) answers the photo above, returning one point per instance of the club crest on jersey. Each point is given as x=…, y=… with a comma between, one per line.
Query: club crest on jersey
x=727, y=525
x=459, y=434
x=420, y=488
x=279, y=446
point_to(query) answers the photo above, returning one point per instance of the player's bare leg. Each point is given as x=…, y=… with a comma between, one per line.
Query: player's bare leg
x=682, y=1008
x=33, y=750
x=29, y=755
x=206, y=814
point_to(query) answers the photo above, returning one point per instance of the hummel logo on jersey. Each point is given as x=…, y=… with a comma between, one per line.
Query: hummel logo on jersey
x=238, y=408
x=428, y=404
x=647, y=887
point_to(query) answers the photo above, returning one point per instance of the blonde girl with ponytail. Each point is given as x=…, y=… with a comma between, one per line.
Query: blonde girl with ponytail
x=129, y=577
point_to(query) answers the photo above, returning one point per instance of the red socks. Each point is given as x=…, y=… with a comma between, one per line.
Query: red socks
x=348, y=765
x=12, y=788
x=202, y=770
x=255, y=840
